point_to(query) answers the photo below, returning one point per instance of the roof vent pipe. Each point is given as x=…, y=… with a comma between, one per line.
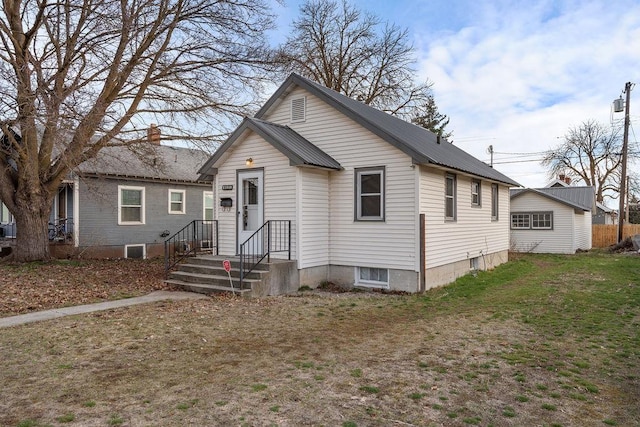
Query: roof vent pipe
x=438, y=138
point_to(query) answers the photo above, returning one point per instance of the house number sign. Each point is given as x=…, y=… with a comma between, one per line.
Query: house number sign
x=227, y=187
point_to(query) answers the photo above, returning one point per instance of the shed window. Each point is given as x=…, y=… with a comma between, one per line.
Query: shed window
x=130, y=205
x=532, y=221
x=370, y=194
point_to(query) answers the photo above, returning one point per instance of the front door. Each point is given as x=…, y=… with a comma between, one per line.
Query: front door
x=250, y=205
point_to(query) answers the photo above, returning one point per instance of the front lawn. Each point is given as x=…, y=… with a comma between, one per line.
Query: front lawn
x=542, y=340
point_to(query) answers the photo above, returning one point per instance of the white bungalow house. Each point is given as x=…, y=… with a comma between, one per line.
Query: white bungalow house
x=555, y=219
x=371, y=200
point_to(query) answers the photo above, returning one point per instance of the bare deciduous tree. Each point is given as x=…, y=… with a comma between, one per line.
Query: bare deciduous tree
x=351, y=52
x=590, y=152
x=77, y=74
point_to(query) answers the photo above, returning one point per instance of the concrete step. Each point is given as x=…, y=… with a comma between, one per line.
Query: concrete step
x=209, y=279
x=218, y=270
x=208, y=289
x=213, y=261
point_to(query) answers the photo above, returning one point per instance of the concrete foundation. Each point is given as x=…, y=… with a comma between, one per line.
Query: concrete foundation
x=445, y=274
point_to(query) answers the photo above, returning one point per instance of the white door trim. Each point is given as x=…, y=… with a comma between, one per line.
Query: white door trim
x=250, y=197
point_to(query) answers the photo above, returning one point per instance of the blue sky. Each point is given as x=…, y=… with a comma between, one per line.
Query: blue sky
x=517, y=74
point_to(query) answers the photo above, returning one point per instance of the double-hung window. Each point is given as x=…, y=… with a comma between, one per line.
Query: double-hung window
x=450, y=197
x=476, y=193
x=130, y=205
x=494, y=202
x=369, y=203
x=177, y=202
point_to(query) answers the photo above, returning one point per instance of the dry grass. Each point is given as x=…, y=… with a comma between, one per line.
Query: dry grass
x=471, y=353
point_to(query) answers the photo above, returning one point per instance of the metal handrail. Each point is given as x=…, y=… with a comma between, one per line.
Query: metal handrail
x=198, y=235
x=273, y=236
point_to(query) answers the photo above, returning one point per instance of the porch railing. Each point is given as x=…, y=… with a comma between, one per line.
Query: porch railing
x=274, y=236
x=199, y=236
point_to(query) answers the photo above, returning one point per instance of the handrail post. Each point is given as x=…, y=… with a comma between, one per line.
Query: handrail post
x=194, y=234
x=289, y=238
x=166, y=259
x=268, y=241
x=216, y=230
x=241, y=266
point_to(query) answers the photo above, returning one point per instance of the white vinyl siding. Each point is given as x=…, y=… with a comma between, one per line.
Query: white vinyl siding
x=313, y=217
x=131, y=205
x=279, y=188
x=561, y=238
x=389, y=244
x=473, y=234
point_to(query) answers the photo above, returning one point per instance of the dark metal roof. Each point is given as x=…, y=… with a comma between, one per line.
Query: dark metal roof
x=576, y=197
x=147, y=161
x=300, y=151
x=417, y=142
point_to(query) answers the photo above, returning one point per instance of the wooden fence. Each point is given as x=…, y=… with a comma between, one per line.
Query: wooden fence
x=606, y=235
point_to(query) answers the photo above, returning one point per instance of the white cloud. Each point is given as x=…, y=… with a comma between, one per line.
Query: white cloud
x=522, y=75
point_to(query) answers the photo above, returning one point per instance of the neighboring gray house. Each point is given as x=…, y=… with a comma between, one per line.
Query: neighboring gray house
x=551, y=220
x=124, y=204
x=372, y=200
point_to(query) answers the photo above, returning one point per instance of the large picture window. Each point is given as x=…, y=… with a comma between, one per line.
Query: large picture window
x=450, y=197
x=370, y=194
x=532, y=221
x=130, y=205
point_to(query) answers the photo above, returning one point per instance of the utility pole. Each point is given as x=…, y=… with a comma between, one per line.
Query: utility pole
x=625, y=144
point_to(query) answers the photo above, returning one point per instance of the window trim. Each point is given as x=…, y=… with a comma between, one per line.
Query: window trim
x=358, y=172
x=144, y=250
x=142, y=205
x=495, y=202
x=183, y=202
x=530, y=225
x=204, y=206
x=477, y=204
x=371, y=283
x=454, y=197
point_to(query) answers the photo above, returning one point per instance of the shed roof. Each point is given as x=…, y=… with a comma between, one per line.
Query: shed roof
x=422, y=145
x=582, y=198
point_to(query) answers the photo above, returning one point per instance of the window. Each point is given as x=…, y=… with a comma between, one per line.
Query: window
x=520, y=221
x=177, y=202
x=130, y=205
x=532, y=221
x=207, y=204
x=541, y=221
x=5, y=215
x=494, y=202
x=368, y=276
x=475, y=192
x=370, y=194
x=298, y=109
x=450, y=197
x=135, y=251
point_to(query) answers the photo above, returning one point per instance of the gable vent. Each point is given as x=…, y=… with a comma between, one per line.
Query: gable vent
x=298, y=109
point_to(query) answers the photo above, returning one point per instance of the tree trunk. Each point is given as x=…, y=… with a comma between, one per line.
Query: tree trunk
x=32, y=230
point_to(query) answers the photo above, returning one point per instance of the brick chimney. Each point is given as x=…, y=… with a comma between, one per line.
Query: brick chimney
x=564, y=178
x=153, y=134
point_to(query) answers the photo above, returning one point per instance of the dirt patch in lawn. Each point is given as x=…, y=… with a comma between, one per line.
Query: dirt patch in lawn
x=318, y=358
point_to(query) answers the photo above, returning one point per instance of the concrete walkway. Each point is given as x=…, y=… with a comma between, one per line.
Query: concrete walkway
x=89, y=308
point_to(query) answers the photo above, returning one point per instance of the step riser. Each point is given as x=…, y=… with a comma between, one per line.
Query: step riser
x=219, y=271
x=235, y=264
x=217, y=281
x=246, y=293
